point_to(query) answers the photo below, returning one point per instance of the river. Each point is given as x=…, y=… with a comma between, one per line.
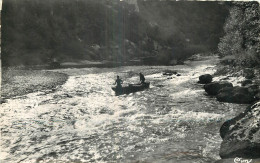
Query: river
x=83, y=121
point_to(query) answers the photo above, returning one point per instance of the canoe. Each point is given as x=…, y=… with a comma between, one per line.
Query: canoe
x=131, y=88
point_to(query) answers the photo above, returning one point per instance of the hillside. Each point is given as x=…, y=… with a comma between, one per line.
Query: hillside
x=37, y=32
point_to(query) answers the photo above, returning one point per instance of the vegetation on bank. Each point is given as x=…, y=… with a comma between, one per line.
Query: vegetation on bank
x=240, y=46
x=21, y=82
x=37, y=32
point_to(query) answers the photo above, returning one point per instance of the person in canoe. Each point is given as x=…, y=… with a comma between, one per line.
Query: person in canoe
x=118, y=82
x=142, y=79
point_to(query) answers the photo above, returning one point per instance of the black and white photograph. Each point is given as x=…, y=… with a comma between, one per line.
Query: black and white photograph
x=129, y=81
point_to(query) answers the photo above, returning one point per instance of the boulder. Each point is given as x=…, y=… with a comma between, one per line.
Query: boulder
x=239, y=95
x=214, y=87
x=246, y=82
x=241, y=135
x=205, y=79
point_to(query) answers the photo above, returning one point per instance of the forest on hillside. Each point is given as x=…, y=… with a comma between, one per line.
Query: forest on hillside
x=241, y=41
x=35, y=31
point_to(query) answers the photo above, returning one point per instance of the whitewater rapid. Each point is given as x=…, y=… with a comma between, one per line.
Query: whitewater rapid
x=83, y=120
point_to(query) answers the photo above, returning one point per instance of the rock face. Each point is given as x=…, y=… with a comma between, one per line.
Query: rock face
x=240, y=95
x=214, y=87
x=205, y=79
x=241, y=135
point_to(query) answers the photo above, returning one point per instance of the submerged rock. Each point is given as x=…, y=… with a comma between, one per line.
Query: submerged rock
x=241, y=135
x=205, y=79
x=214, y=87
x=169, y=72
x=239, y=95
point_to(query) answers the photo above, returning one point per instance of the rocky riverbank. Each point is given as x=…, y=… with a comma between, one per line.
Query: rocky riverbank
x=241, y=134
x=21, y=82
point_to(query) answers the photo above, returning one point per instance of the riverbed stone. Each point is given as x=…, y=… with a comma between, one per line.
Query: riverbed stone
x=241, y=135
x=239, y=95
x=169, y=72
x=214, y=87
x=205, y=79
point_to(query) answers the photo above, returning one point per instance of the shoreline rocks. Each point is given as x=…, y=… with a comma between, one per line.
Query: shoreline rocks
x=214, y=87
x=239, y=95
x=241, y=135
x=225, y=92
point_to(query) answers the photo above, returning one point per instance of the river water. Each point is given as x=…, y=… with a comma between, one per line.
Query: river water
x=83, y=121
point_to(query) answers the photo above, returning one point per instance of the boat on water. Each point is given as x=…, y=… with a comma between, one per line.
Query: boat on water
x=131, y=88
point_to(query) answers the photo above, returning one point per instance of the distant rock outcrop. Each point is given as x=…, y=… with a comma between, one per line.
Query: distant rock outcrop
x=241, y=135
x=214, y=87
x=205, y=79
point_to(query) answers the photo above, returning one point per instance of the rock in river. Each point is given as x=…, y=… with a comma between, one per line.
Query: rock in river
x=241, y=135
x=240, y=95
x=205, y=79
x=214, y=87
